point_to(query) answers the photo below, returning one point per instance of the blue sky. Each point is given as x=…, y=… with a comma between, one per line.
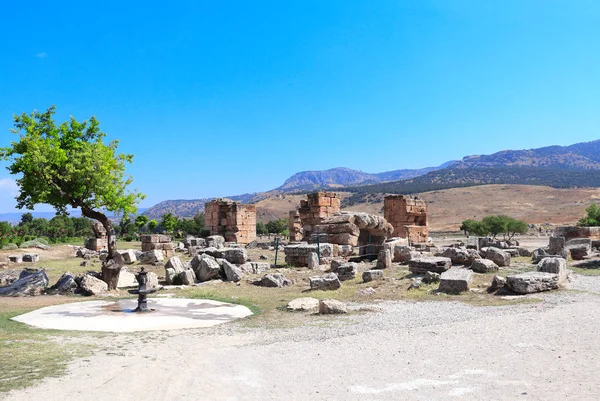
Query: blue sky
x=219, y=98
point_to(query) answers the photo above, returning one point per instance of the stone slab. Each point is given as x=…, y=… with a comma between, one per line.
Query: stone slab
x=169, y=314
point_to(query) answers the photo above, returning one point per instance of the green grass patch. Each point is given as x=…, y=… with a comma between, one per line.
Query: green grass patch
x=29, y=355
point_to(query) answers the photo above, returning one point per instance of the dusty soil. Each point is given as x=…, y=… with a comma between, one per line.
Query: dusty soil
x=407, y=350
x=448, y=208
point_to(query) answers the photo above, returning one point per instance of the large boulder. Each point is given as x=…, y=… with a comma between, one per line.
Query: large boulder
x=31, y=257
x=30, y=284
x=173, y=269
x=206, y=268
x=152, y=281
x=274, y=280
x=498, y=256
x=484, y=266
x=329, y=281
x=384, y=259
x=152, y=257
x=460, y=256
x=403, y=254
x=215, y=241
x=539, y=254
x=554, y=265
x=332, y=306
x=303, y=304
x=429, y=264
x=129, y=256
x=187, y=277
x=579, y=243
x=231, y=271
x=455, y=280
x=347, y=271
x=531, y=282
x=65, y=284
x=91, y=285
x=556, y=246
x=237, y=256
x=126, y=279
x=371, y=275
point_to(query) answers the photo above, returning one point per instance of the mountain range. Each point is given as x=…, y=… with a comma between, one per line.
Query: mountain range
x=571, y=166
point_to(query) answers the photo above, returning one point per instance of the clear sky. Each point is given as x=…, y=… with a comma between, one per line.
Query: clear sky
x=220, y=98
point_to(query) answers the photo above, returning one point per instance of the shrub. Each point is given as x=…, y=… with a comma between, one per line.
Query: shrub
x=10, y=247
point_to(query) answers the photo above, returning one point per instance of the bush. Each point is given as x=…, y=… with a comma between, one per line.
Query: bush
x=10, y=247
x=35, y=242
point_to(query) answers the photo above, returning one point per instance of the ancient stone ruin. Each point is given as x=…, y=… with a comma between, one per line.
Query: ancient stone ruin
x=317, y=207
x=366, y=231
x=408, y=216
x=234, y=221
x=100, y=239
x=158, y=242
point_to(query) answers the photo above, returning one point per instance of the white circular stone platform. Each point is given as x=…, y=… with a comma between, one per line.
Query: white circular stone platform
x=168, y=314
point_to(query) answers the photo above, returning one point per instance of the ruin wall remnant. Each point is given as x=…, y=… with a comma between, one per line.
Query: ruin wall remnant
x=408, y=216
x=233, y=220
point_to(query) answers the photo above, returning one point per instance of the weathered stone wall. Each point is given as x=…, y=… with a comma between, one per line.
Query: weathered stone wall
x=408, y=216
x=160, y=242
x=570, y=232
x=356, y=229
x=298, y=255
x=295, y=226
x=317, y=207
x=233, y=220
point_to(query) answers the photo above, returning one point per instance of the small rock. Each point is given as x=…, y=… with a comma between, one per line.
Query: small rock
x=431, y=277
x=91, y=285
x=371, y=275
x=274, y=280
x=332, y=306
x=303, y=304
x=498, y=282
x=327, y=282
x=484, y=266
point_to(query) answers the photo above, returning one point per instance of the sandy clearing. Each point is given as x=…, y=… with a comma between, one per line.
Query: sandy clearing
x=420, y=351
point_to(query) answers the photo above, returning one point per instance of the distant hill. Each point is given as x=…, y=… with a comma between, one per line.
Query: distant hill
x=581, y=156
x=187, y=208
x=575, y=166
x=466, y=177
x=342, y=176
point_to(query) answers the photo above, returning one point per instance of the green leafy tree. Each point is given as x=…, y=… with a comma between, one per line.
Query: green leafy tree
x=140, y=221
x=69, y=165
x=168, y=222
x=26, y=218
x=495, y=225
x=261, y=228
x=277, y=226
x=474, y=227
x=592, y=218
x=152, y=224
x=514, y=226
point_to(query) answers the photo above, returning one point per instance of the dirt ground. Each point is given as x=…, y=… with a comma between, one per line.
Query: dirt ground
x=407, y=350
x=542, y=347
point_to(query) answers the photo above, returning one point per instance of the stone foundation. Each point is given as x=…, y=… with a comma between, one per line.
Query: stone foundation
x=570, y=232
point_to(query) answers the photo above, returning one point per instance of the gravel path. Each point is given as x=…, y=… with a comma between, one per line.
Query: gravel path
x=418, y=351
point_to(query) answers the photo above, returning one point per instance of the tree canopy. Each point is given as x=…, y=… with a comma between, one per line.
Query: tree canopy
x=592, y=218
x=495, y=225
x=69, y=165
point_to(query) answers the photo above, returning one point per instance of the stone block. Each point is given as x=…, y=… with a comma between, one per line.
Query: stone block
x=484, y=266
x=532, y=282
x=327, y=282
x=429, y=264
x=455, y=280
x=371, y=275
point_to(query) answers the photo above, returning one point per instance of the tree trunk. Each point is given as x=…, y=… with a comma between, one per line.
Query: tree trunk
x=111, y=267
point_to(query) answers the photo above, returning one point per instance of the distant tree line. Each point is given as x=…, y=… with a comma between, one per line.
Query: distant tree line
x=278, y=226
x=58, y=229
